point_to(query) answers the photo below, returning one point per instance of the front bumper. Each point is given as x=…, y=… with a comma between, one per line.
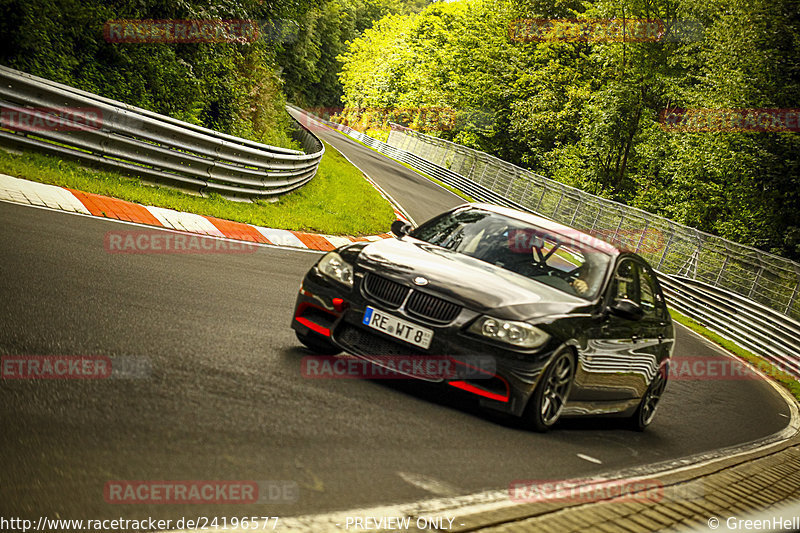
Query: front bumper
x=327, y=308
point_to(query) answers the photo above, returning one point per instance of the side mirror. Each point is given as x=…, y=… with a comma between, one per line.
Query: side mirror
x=401, y=229
x=626, y=309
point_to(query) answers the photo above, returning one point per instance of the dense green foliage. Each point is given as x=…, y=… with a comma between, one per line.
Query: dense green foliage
x=310, y=49
x=226, y=86
x=236, y=88
x=587, y=113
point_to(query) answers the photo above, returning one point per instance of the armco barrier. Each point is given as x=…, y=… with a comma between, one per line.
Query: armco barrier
x=749, y=324
x=474, y=190
x=757, y=275
x=79, y=125
x=756, y=326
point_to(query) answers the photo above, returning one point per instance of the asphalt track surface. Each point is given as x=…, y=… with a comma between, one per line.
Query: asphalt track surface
x=420, y=197
x=225, y=398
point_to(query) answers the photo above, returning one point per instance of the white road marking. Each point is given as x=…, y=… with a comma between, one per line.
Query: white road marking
x=589, y=458
x=432, y=485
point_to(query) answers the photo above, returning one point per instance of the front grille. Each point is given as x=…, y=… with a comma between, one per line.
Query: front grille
x=427, y=306
x=365, y=342
x=385, y=290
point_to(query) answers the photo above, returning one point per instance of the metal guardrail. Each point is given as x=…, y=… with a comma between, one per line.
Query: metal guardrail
x=757, y=327
x=672, y=248
x=475, y=190
x=43, y=115
x=762, y=330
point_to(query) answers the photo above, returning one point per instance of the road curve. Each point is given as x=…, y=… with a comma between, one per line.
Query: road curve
x=419, y=196
x=225, y=399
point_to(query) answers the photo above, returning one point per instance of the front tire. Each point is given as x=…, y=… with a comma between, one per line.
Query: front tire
x=551, y=393
x=317, y=343
x=647, y=407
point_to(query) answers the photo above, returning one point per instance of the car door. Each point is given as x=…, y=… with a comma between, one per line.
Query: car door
x=650, y=335
x=606, y=365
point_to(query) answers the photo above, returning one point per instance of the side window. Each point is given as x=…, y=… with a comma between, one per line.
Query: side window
x=647, y=289
x=624, y=284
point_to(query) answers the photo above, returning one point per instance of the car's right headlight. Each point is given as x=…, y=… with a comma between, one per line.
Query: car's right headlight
x=336, y=268
x=511, y=332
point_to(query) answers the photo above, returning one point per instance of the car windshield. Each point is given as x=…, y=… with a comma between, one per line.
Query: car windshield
x=563, y=261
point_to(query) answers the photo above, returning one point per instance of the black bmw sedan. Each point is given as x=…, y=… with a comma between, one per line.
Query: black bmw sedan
x=572, y=325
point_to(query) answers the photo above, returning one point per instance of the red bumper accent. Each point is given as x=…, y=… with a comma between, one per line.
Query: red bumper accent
x=469, y=387
x=309, y=324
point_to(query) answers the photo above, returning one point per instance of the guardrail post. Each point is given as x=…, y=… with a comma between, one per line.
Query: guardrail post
x=619, y=226
x=666, y=248
x=510, y=187
x=644, y=232
x=541, y=198
x=471, y=172
x=791, y=300
x=525, y=191
x=496, y=179
x=721, y=270
x=755, y=282
x=485, y=167
x=575, y=214
x=558, y=205
x=594, y=222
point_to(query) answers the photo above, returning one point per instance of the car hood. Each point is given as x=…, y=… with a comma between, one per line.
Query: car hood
x=478, y=285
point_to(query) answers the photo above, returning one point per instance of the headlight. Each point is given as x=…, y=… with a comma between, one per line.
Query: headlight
x=333, y=266
x=511, y=332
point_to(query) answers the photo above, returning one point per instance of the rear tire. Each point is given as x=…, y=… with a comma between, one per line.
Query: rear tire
x=649, y=404
x=317, y=343
x=551, y=393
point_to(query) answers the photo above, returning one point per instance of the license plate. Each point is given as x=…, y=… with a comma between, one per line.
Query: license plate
x=398, y=328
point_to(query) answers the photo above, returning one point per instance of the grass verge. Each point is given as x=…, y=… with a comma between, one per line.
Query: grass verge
x=788, y=381
x=338, y=201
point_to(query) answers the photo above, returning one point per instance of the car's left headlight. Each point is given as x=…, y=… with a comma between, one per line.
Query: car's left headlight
x=510, y=332
x=333, y=266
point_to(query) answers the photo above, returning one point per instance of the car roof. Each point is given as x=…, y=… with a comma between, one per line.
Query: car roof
x=548, y=225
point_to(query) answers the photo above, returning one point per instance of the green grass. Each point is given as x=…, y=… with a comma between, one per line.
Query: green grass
x=409, y=167
x=338, y=201
x=789, y=382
